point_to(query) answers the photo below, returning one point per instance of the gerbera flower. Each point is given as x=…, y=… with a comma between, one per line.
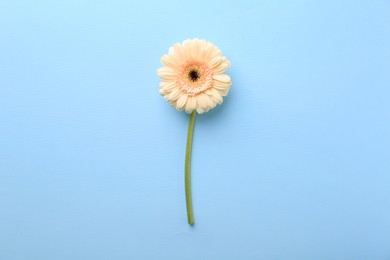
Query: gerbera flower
x=193, y=80
x=193, y=76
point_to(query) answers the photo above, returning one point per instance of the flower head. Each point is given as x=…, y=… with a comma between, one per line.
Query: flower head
x=192, y=77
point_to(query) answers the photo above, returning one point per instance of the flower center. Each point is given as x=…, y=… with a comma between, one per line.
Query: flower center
x=194, y=77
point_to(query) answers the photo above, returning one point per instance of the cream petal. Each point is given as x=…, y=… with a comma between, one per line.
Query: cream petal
x=221, y=80
x=224, y=92
x=216, y=61
x=202, y=49
x=175, y=56
x=214, y=52
x=200, y=110
x=210, y=102
x=190, y=104
x=163, y=92
x=173, y=95
x=168, y=85
x=215, y=95
x=169, y=61
x=180, y=52
x=166, y=73
x=187, y=47
x=220, y=86
x=212, y=105
x=201, y=103
x=196, y=49
x=209, y=52
x=172, y=52
x=167, y=90
x=204, y=103
x=205, y=52
x=222, y=67
x=181, y=101
x=202, y=100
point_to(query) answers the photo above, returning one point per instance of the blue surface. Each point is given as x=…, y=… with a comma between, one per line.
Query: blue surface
x=294, y=164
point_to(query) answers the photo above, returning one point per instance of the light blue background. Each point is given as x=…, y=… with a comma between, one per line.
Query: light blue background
x=294, y=164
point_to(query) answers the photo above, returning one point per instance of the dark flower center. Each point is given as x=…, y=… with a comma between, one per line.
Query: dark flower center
x=194, y=75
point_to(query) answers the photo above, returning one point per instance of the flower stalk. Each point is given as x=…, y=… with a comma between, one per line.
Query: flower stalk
x=187, y=167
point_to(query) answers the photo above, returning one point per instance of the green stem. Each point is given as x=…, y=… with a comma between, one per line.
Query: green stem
x=187, y=167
